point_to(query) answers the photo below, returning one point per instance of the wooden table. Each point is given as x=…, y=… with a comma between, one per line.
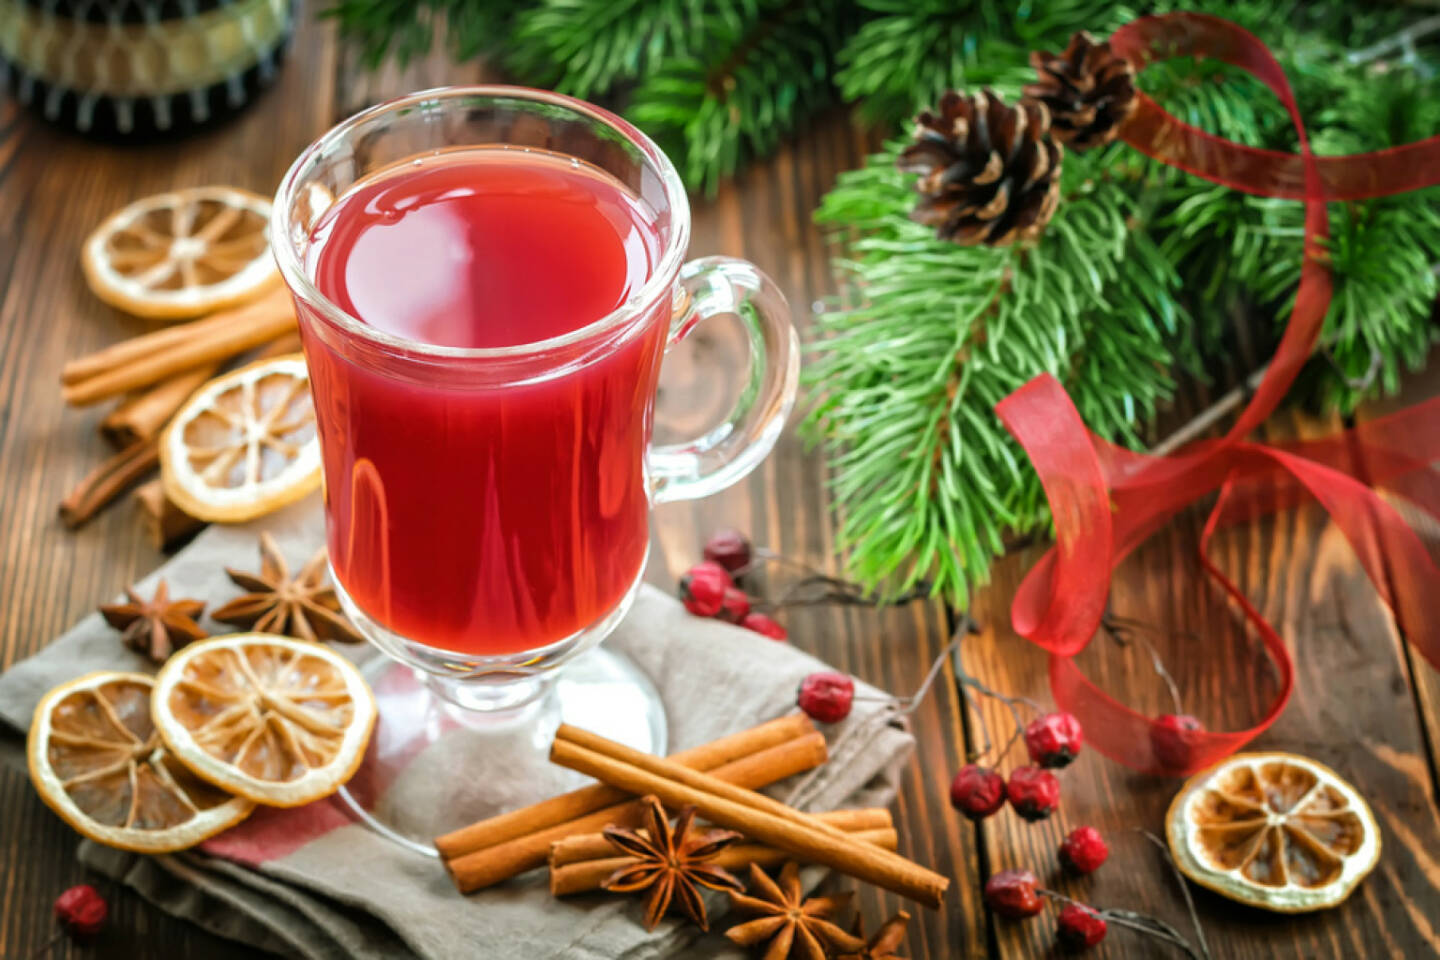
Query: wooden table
x=1366, y=705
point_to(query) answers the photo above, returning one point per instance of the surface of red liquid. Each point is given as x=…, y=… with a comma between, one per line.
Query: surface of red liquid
x=486, y=515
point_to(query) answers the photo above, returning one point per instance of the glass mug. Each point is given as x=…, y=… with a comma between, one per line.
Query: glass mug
x=487, y=508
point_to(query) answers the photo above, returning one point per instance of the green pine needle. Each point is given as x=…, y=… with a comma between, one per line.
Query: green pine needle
x=927, y=481
x=753, y=83
x=1140, y=273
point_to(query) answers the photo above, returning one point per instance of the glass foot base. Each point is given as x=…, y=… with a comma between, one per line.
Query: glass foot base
x=434, y=766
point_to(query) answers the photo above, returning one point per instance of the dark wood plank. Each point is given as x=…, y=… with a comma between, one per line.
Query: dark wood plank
x=1424, y=678
x=1353, y=710
x=1365, y=706
x=56, y=188
x=765, y=217
x=53, y=189
x=358, y=87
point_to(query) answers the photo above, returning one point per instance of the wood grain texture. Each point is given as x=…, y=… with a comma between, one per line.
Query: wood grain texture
x=54, y=188
x=1365, y=706
x=765, y=217
x=57, y=187
x=1424, y=677
x=1353, y=709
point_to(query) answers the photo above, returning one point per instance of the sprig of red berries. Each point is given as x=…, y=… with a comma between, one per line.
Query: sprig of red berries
x=714, y=587
x=709, y=590
x=1173, y=736
x=1052, y=739
x=1017, y=895
x=81, y=913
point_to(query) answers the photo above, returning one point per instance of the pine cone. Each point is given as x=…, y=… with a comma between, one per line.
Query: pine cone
x=989, y=172
x=1089, y=90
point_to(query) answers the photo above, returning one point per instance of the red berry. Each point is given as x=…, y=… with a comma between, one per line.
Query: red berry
x=1080, y=927
x=734, y=605
x=1011, y=893
x=1053, y=739
x=1033, y=792
x=1083, y=850
x=1173, y=738
x=729, y=548
x=703, y=587
x=713, y=568
x=763, y=624
x=81, y=911
x=977, y=791
x=826, y=696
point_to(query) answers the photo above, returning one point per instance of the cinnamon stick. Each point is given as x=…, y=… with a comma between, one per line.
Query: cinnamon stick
x=128, y=351
x=144, y=415
x=581, y=864
x=593, y=741
x=490, y=865
x=153, y=357
x=164, y=521
x=678, y=786
x=108, y=481
x=288, y=343
x=577, y=803
x=594, y=846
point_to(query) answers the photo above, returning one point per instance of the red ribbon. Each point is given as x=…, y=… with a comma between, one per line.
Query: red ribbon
x=1106, y=500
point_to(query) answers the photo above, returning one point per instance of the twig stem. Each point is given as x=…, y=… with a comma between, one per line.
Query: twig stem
x=1122, y=629
x=47, y=946
x=1142, y=922
x=1184, y=889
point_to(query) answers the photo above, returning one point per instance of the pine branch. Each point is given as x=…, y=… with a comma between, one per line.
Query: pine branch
x=927, y=481
x=405, y=29
x=587, y=48
x=753, y=82
x=910, y=51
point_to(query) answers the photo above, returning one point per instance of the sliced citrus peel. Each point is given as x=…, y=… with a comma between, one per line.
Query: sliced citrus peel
x=182, y=254
x=1273, y=830
x=244, y=444
x=282, y=722
x=97, y=760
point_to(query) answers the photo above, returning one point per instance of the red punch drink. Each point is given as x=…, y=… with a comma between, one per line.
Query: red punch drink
x=487, y=515
x=486, y=279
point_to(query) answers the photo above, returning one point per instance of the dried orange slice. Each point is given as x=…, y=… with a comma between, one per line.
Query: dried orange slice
x=1273, y=830
x=182, y=254
x=279, y=721
x=98, y=761
x=244, y=444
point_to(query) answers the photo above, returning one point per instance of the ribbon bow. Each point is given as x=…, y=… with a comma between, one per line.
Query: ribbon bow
x=1106, y=500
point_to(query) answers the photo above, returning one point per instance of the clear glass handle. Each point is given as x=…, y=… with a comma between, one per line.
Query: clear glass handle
x=714, y=286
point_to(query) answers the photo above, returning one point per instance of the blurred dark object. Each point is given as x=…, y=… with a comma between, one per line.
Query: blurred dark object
x=140, y=69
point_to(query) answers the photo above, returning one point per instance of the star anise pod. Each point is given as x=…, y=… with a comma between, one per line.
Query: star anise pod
x=670, y=862
x=790, y=922
x=881, y=948
x=303, y=608
x=155, y=627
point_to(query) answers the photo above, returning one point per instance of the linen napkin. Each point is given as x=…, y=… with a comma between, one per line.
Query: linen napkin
x=313, y=883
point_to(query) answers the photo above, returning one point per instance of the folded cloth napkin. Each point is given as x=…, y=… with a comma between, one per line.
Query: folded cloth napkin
x=312, y=883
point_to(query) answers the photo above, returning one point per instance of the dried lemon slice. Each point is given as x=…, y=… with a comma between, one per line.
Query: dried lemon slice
x=182, y=254
x=280, y=721
x=244, y=444
x=1273, y=830
x=98, y=761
